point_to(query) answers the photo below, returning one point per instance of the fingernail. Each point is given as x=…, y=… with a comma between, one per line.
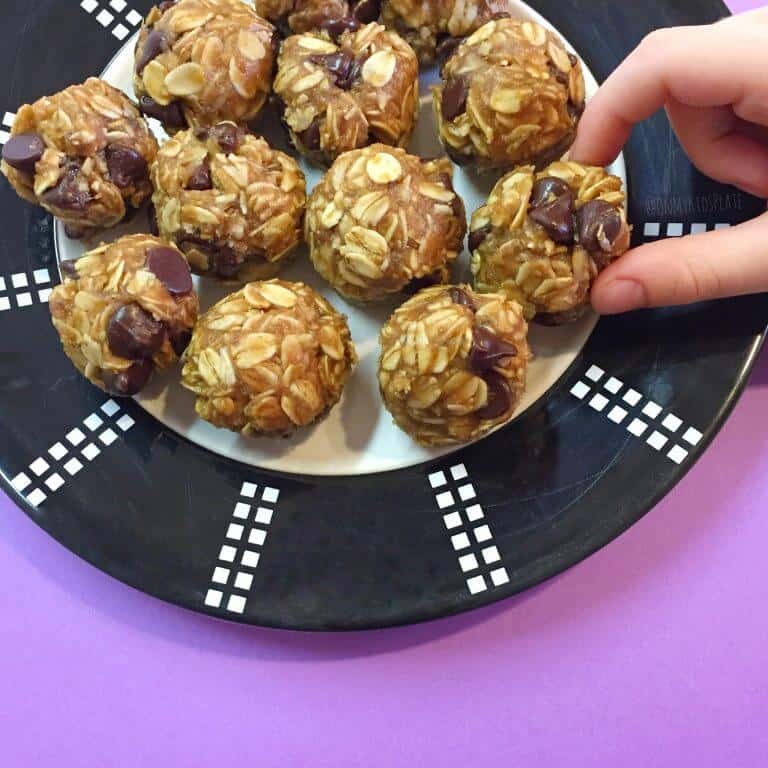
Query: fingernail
x=620, y=296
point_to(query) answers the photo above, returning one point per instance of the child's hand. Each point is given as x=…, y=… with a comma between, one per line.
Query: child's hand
x=712, y=81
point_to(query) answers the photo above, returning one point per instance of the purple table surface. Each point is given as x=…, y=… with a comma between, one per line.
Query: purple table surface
x=651, y=653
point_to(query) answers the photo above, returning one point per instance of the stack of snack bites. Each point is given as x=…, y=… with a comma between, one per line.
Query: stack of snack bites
x=382, y=224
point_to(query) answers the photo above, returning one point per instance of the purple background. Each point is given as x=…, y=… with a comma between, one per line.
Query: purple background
x=651, y=653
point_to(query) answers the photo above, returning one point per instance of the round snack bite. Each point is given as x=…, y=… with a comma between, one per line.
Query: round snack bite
x=233, y=204
x=382, y=221
x=83, y=154
x=335, y=16
x=123, y=310
x=511, y=94
x=453, y=364
x=199, y=62
x=435, y=27
x=543, y=238
x=271, y=358
x=339, y=96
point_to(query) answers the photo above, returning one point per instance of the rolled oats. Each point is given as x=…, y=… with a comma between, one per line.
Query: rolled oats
x=453, y=364
x=382, y=221
x=335, y=16
x=123, y=310
x=231, y=203
x=510, y=95
x=542, y=238
x=268, y=359
x=199, y=62
x=339, y=94
x=83, y=154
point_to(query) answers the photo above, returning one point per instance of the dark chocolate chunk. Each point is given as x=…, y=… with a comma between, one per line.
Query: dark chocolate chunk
x=126, y=166
x=598, y=224
x=73, y=232
x=454, y=100
x=462, y=298
x=477, y=237
x=225, y=263
x=499, y=397
x=130, y=381
x=420, y=283
x=548, y=189
x=488, y=350
x=344, y=67
x=68, y=194
x=152, y=220
x=134, y=334
x=446, y=47
x=367, y=11
x=227, y=135
x=337, y=27
x=165, y=5
x=180, y=340
x=556, y=218
x=201, y=177
x=68, y=269
x=154, y=45
x=170, y=115
x=310, y=138
x=561, y=318
x=170, y=268
x=23, y=150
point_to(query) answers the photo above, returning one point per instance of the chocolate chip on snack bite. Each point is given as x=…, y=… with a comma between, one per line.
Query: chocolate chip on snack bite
x=227, y=135
x=344, y=67
x=488, y=350
x=454, y=99
x=477, y=237
x=462, y=298
x=134, y=334
x=447, y=45
x=180, y=340
x=499, y=397
x=337, y=27
x=170, y=268
x=548, y=189
x=599, y=225
x=367, y=11
x=171, y=115
x=126, y=166
x=556, y=218
x=130, y=381
x=154, y=45
x=68, y=269
x=200, y=179
x=71, y=193
x=310, y=138
x=22, y=151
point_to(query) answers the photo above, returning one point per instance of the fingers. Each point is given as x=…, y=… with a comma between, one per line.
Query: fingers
x=729, y=262
x=720, y=146
x=674, y=65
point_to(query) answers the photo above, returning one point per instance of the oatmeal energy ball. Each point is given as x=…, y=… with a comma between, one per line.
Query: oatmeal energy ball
x=82, y=154
x=123, y=310
x=199, y=62
x=435, y=27
x=335, y=16
x=542, y=238
x=453, y=363
x=338, y=96
x=233, y=204
x=268, y=359
x=382, y=221
x=510, y=95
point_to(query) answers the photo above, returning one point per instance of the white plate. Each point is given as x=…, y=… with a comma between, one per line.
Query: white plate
x=358, y=436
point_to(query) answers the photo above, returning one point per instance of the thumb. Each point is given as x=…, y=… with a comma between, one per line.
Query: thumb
x=728, y=262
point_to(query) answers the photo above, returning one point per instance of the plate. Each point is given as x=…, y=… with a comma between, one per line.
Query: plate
x=350, y=524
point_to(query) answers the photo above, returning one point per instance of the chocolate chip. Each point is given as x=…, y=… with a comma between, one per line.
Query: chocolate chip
x=201, y=177
x=556, y=218
x=488, y=350
x=165, y=5
x=134, y=334
x=130, y=381
x=560, y=318
x=310, y=138
x=499, y=397
x=170, y=268
x=420, y=283
x=180, y=340
x=457, y=157
x=126, y=166
x=152, y=219
x=23, y=150
x=548, y=189
x=599, y=225
x=73, y=232
x=446, y=47
x=170, y=115
x=367, y=11
x=154, y=45
x=477, y=237
x=227, y=135
x=69, y=269
x=225, y=262
x=337, y=27
x=454, y=101
x=344, y=67
x=462, y=298
x=68, y=194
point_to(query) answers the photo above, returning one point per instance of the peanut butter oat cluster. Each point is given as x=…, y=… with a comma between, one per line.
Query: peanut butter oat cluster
x=510, y=95
x=382, y=221
x=543, y=238
x=339, y=96
x=453, y=364
x=335, y=16
x=269, y=359
x=83, y=154
x=123, y=310
x=199, y=62
x=435, y=27
x=233, y=204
